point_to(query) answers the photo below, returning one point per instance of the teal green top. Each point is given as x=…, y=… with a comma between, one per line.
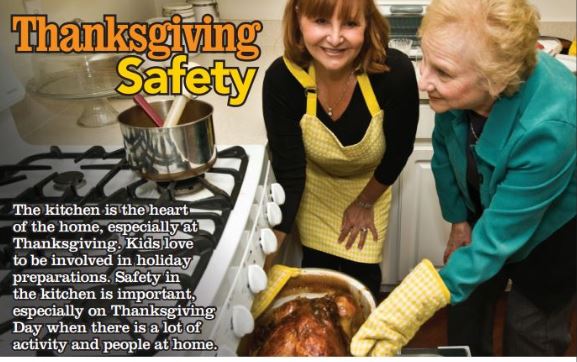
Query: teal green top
x=526, y=157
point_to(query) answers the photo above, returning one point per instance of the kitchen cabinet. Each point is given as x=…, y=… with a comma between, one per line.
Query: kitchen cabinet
x=417, y=229
x=423, y=232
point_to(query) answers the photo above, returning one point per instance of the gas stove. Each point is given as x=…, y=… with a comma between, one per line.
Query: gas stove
x=198, y=289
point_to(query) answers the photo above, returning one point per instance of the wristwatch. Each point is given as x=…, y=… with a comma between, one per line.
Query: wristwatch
x=364, y=205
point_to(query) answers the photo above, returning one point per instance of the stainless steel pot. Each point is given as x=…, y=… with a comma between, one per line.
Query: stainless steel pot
x=170, y=153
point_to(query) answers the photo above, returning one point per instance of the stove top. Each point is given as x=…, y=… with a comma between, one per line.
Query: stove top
x=128, y=259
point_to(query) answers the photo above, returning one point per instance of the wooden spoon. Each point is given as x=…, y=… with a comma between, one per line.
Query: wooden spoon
x=150, y=112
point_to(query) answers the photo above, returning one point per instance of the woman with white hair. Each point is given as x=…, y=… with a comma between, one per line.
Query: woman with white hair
x=504, y=164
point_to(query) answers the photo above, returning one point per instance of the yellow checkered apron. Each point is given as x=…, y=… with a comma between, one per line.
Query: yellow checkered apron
x=336, y=175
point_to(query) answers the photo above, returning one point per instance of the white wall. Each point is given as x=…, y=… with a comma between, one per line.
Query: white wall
x=551, y=10
x=65, y=10
x=92, y=10
x=127, y=10
x=252, y=9
x=243, y=9
x=556, y=10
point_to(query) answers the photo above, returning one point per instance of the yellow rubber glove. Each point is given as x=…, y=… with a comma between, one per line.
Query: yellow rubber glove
x=399, y=317
x=277, y=278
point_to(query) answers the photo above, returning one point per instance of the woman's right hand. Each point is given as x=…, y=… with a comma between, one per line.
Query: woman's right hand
x=460, y=235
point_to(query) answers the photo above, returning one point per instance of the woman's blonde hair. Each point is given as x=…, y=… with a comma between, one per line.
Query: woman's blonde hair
x=504, y=33
x=373, y=54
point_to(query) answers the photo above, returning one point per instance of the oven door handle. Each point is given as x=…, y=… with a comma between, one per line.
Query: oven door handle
x=407, y=9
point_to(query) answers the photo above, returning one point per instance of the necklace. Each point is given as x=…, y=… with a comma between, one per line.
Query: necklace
x=341, y=98
x=473, y=131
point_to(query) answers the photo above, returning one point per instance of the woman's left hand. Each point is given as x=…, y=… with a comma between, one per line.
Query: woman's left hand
x=460, y=236
x=357, y=221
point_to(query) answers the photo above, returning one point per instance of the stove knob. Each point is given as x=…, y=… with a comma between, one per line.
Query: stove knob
x=242, y=321
x=273, y=214
x=277, y=193
x=257, y=279
x=268, y=241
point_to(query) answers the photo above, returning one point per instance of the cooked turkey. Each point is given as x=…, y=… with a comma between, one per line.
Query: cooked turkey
x=307, y=327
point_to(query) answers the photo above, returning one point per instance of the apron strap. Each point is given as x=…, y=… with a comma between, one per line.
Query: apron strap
x=307, y=80
x=368, y=94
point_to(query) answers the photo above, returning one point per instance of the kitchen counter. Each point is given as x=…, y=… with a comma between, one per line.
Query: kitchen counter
x=44, y=121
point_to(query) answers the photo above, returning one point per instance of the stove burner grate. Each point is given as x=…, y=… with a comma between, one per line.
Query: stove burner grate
x=214, y=209
x=68, y=179
x=184, y=187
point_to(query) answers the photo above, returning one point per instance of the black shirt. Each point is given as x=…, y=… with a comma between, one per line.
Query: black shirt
x=284, y=104
x=476, y=125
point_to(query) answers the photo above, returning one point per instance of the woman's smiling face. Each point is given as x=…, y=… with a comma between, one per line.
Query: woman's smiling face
x=448, y=72
x=333, y=43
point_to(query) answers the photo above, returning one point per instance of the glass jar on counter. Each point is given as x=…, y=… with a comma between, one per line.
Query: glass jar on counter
x=88, y=79
x=205, y=7
x=185, y=10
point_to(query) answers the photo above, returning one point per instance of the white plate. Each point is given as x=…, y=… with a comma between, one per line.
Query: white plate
x=570, y=61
